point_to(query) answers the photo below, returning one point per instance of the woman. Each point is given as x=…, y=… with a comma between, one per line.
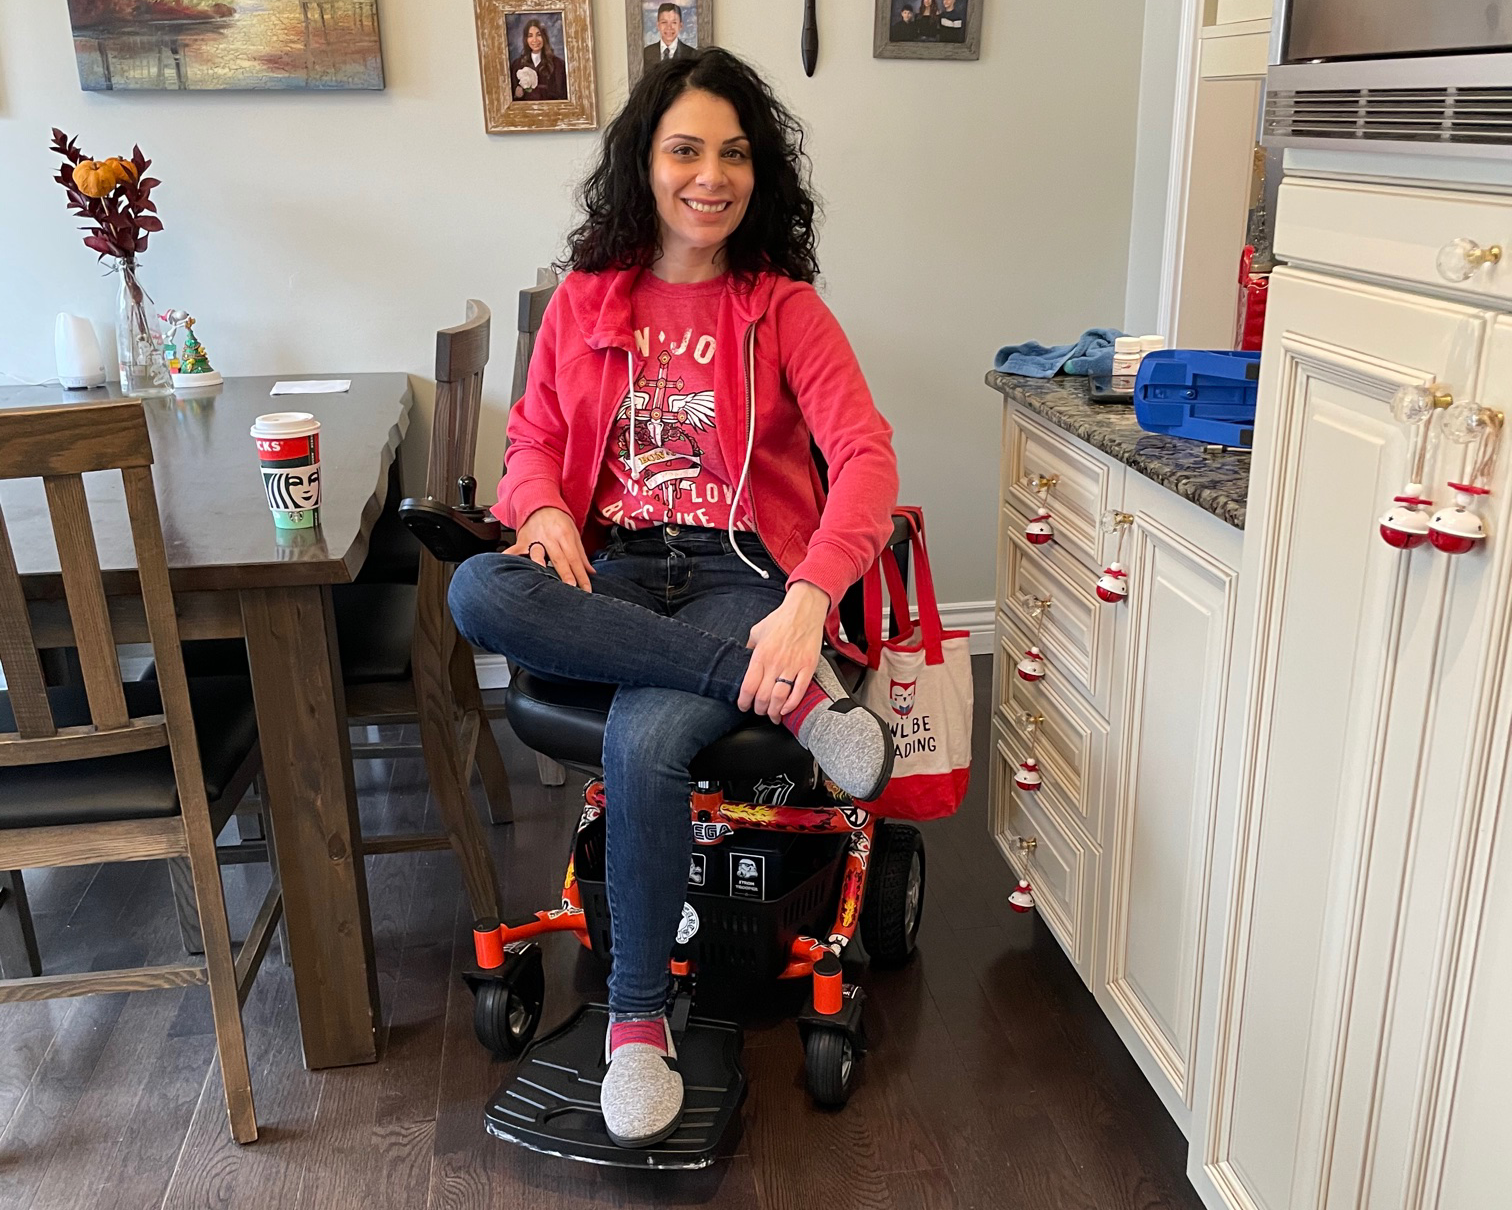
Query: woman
x=928, y=21
x=537, y=74
x=680, y=372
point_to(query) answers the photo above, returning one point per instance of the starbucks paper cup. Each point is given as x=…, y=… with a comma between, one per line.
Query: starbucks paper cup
x=288, y=447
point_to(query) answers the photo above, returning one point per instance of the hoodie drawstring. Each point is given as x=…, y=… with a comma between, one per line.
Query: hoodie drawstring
x=750, y=443
x=630, y=395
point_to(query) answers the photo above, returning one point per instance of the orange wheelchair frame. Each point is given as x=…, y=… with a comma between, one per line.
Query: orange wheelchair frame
x=714, y=819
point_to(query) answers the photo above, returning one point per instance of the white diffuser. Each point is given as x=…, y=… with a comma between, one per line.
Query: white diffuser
x=80, y=364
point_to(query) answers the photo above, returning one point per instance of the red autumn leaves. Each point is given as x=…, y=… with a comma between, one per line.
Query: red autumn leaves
x=115, y=196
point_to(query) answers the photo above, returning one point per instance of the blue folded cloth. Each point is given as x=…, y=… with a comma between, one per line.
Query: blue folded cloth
x=1091, y=354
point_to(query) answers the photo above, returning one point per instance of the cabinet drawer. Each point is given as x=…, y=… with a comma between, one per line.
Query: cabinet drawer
x=1077, y=631
x=1393, y=231
x=1086, y=487
x=1060, y=865
x=1073, y=740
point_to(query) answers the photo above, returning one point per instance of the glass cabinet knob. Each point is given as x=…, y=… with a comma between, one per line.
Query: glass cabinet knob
x=1459, y=260
x=1413, y=405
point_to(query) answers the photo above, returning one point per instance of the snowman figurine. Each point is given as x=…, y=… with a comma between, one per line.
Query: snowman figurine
x=1032, y=666
x=1456, y=529
x=1028, y=775
x=1405, y=524
x=1022, y=899
x=1038, y=530
x=1113, y=584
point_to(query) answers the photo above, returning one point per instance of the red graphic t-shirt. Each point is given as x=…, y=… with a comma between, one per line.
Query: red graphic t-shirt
x=683, y=479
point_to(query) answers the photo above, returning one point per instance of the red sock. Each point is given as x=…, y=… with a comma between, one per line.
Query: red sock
x=813, y=697
x=652, y=1033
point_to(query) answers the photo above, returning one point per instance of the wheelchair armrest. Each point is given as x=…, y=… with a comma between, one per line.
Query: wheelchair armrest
x=451, y=533
x=901, y=532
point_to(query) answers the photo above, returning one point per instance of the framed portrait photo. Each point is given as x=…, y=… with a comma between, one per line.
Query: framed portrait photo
x=928, y=29
x=660, y=29
x=536, y=58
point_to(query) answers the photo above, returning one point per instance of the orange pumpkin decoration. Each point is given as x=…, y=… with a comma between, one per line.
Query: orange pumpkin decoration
x=94, y=179
x=125, y=170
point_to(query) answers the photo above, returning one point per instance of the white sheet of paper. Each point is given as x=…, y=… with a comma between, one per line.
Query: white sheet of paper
x=312, y=386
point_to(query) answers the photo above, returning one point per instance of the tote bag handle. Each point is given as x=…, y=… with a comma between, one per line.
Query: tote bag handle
x=897, y=591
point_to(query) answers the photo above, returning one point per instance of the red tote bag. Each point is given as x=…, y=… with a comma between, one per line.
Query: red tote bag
x=920, y=683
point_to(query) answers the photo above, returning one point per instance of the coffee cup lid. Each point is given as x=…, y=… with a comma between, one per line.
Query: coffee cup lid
x=285, y=424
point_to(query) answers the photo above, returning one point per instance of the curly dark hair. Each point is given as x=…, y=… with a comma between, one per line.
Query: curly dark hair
x=620, y=229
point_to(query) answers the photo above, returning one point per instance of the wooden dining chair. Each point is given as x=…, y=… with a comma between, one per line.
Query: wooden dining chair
x=532, y=311
x=433, y=681
x=106, y=772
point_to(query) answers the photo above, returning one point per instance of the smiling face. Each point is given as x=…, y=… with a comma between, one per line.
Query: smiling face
x=701, y=174
x=669, y=25
x=534, y=38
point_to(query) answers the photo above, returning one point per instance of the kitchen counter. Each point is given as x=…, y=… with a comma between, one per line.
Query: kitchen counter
x=1216, y=482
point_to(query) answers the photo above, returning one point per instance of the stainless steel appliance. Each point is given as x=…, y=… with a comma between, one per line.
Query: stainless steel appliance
x=1432, y=75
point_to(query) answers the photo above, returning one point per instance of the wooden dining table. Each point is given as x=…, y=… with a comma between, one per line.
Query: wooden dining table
x=235, y=575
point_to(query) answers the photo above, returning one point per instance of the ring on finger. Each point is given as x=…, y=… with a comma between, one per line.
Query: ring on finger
x=542, y=545
x=791, y=684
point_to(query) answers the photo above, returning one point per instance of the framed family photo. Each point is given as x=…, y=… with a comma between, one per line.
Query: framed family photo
x=659, y=29
x=536, y=57
x=928, y=29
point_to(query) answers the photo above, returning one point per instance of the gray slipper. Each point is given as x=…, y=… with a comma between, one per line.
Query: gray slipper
x=852, y=745
x=642, y=1094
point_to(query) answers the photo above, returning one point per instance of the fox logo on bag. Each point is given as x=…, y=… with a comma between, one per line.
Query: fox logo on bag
x=901, y=695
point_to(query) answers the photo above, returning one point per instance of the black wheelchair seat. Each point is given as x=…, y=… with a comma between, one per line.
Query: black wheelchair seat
x=564, y=720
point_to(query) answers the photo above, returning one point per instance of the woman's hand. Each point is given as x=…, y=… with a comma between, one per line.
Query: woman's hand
x=785, y=644
x=549, y=536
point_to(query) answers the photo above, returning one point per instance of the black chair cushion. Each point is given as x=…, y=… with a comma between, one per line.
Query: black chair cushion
x=564, y=720
x=137, y=785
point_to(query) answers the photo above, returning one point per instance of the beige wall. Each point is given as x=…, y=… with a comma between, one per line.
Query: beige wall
x=969, y=204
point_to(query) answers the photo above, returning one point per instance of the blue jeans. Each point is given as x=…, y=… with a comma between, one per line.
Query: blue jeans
x=667, y=622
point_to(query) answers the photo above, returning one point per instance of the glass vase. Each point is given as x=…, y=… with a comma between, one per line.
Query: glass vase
x=144, y=372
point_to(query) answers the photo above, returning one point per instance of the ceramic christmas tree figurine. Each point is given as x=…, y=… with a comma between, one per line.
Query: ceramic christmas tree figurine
x=194, y=364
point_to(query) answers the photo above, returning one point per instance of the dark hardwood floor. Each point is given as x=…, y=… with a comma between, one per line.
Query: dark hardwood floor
x=993, y=1079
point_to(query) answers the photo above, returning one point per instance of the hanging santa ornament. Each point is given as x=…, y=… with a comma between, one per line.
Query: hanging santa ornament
x=1022, y=898
x=1032, y=666
x=1113, y=585
x=1459, y=528
x=1405, y=524
x=1039, y=530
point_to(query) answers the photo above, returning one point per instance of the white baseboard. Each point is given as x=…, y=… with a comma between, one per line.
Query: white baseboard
x=975, y=616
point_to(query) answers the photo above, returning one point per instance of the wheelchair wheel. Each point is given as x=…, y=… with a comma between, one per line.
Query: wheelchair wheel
x=894, y=903
x=505, y=1017
x=829, y=1064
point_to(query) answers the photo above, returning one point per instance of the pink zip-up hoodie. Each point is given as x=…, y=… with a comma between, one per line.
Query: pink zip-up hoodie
x=783, y=355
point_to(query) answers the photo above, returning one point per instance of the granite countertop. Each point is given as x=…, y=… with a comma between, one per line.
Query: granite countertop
x=1217, y=482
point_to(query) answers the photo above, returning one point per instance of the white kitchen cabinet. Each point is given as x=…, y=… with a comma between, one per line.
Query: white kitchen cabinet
x=1466, y=1147
x=1370, y=739
x=1134, y=713
x=1172, y=685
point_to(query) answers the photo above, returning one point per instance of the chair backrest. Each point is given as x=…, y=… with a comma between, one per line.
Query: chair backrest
x=461, y=354
x=60, y=444
x=533, y=300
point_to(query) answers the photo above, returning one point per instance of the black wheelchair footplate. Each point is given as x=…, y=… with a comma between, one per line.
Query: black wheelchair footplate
x=550, y=1103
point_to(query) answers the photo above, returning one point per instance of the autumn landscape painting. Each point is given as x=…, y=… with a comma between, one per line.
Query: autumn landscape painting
x=227, y=44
